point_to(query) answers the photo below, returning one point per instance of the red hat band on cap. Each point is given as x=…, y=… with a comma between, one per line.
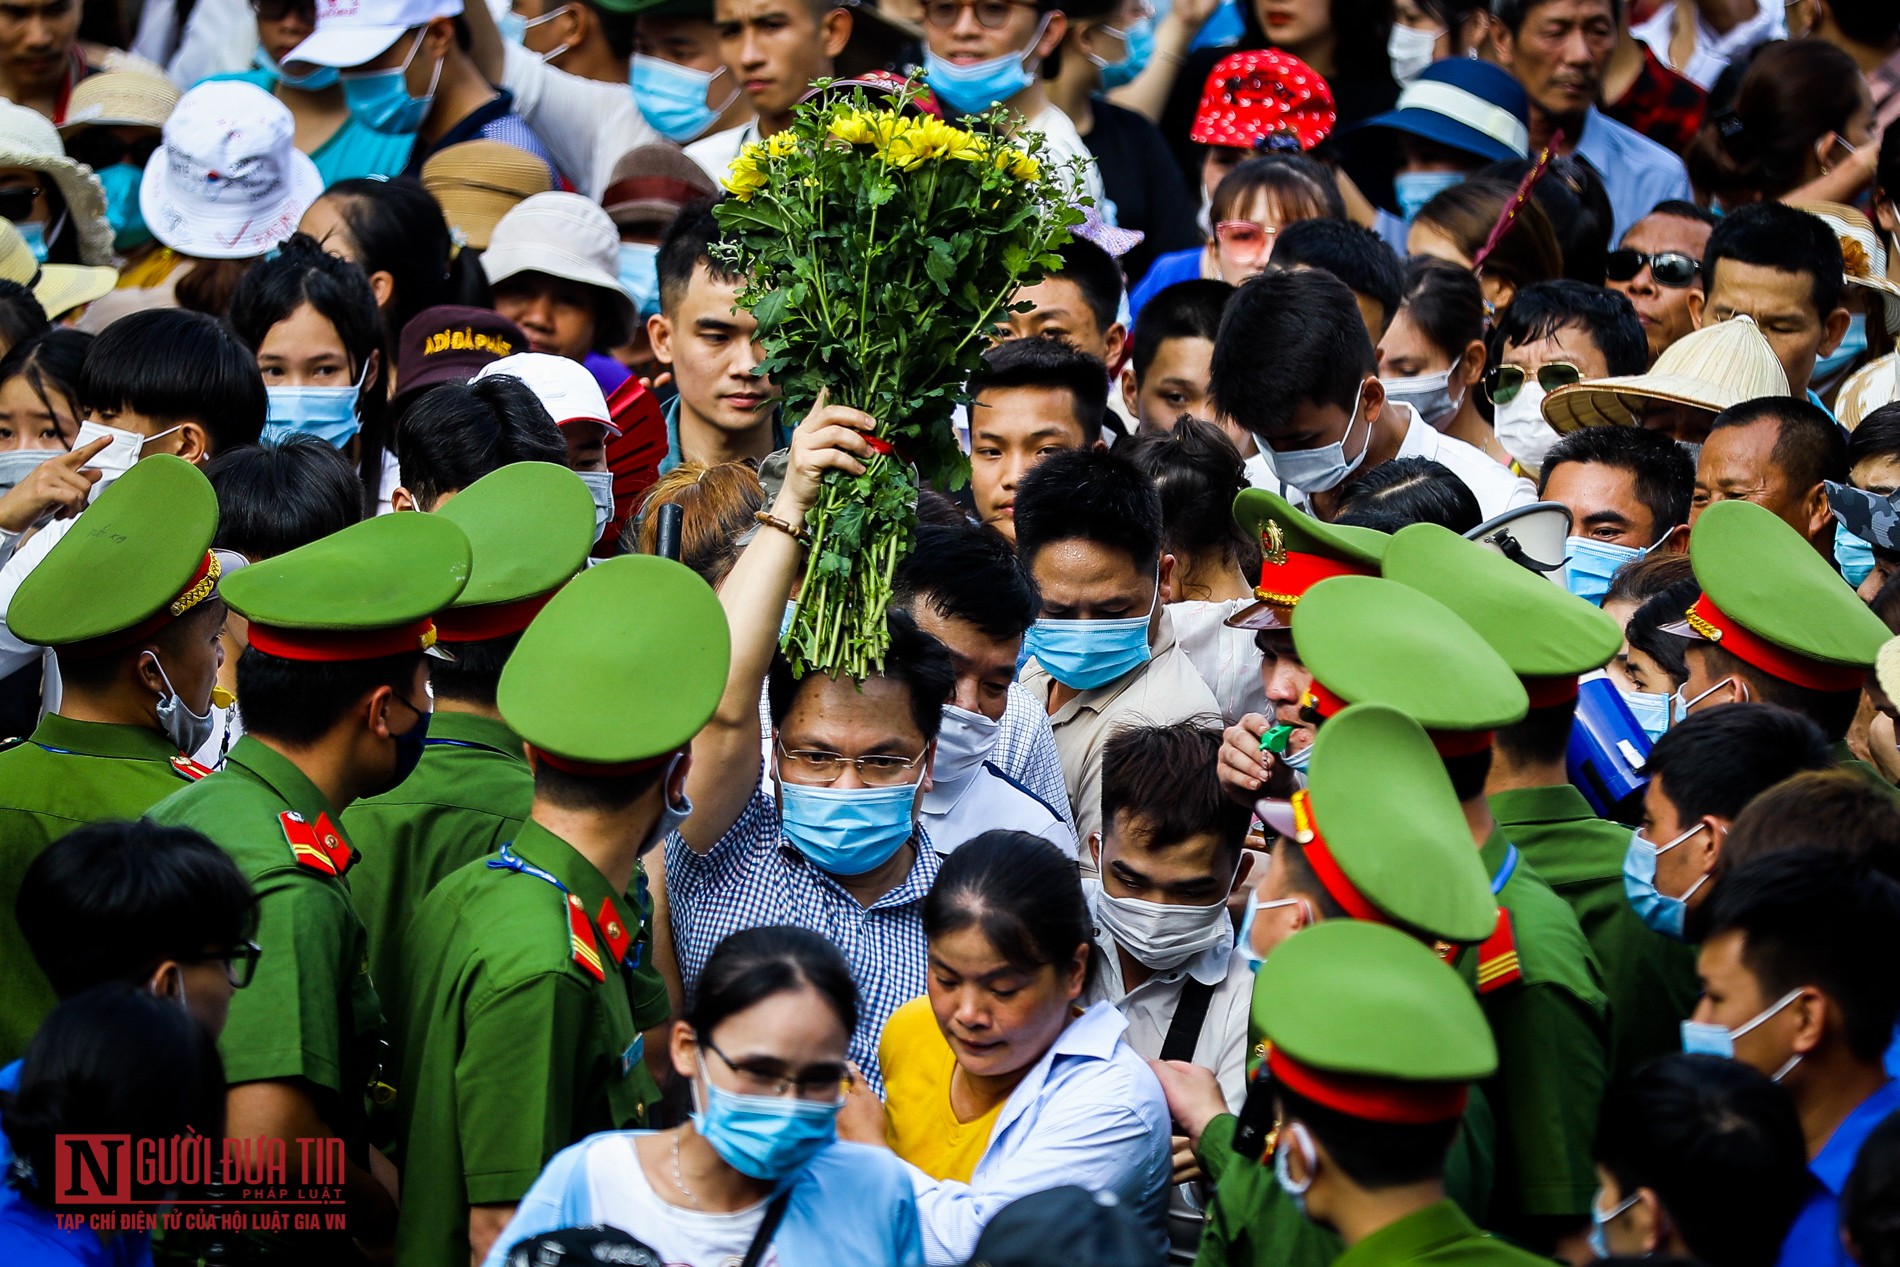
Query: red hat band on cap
x=1326, y=868
x=1790, y=666
x=330, y=645
x=1448, y=743
x=1284, y=583
x=490, y=620
x=1253, y=95
x=600, y=770
x=1374, y=1099
x=1549, y=692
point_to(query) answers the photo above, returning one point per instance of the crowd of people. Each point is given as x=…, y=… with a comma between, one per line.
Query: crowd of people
x=397, y=535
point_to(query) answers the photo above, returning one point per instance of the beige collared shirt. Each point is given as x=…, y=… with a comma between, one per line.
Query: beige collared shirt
x=1164, y=691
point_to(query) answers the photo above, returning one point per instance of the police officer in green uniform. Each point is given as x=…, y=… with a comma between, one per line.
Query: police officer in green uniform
x=1548, y=637
x=128, y=601
x=1373, y=1044
x=1398, y=855
x=472, y=787
x=1371, y=639
x=519, y=969
x=335, y=689
x=1775, y=625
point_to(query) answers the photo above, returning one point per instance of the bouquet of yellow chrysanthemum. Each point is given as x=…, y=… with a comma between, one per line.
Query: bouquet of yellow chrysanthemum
x=880, y=249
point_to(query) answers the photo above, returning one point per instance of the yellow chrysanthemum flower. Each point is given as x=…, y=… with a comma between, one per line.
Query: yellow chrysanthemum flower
x=853, y=127
x=781, y=144
x=745, y=177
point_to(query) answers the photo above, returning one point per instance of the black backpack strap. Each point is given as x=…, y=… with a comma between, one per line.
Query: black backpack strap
x=1190, y=1012
x=768, y=1226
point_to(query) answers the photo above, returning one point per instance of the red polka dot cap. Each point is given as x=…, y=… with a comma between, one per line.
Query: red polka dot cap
x=1253, y=97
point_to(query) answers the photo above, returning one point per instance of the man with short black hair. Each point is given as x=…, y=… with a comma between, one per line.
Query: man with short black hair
x=1702, y=772
x=460, y=432
x=723, y=409
x=1294, y=367
x=1080, y=304
x=1033, y=397
x=1167, y=371
x=1554, y=334
x=1783, y=268
x=1355, y=255
x=1779, y=453
x=964, y=587
x=1627, y=491
x=1658, y=265
x=774, y=50
x=1796, y=983
x=1558, y=49
x=1103, y=652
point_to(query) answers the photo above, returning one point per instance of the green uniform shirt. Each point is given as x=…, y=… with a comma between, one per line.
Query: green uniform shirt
x=1649, y=979
x=64, y=775
x=1845, y=757
x=1251, y=1220
x=463, y=801
x=518, y=1051
x=1439, y=1235
x=1552, y=1037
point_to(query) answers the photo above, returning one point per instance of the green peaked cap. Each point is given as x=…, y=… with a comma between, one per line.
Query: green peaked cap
x=127, y=558
x=1369, y=640
x=1382, y=803
x=366, y=590
x=1765, y=577
x=626, y=663
x=1255, y=508
x=529, y=527
x=1349, y=997
x=1541, y=629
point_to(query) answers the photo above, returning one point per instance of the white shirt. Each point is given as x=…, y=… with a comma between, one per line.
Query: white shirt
x=1712, y=50
x=1064, y=142
x=1227, y=659
x=220, y=37
x=1089, y=1113
x=15, y=654
x=617, y=1183
x=586, y=124
x=1489, y=480
x=986, y=799
x=715, y=153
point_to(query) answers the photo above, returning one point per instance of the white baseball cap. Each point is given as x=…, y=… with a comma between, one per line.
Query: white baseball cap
x=565, y=388
x=351, y=32
x=228, y=183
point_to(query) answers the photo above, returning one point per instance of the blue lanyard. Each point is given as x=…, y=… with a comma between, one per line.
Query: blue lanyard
x=509, y=860
x=1497, y=885
x=450, y=743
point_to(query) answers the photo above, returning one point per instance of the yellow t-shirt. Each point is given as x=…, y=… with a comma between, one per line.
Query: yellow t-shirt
x=923, y=1129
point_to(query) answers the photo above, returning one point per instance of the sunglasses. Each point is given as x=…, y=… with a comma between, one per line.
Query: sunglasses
x=1244, y=239
x=278, y=10
x=100, y=148
x=1504, y=382
x=1669, y=268
x=991, y=15
x=16, y=202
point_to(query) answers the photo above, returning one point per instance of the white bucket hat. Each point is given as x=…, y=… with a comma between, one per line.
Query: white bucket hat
x=228, y=184
x=28, y=140
x=1714, y=368
x=565, y=388
x=60, y=288
x=351, y=32
x=565, y=236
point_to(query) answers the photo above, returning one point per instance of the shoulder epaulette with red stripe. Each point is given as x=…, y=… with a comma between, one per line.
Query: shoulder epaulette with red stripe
x=317, y=845
x=580, y=938
x=188, y=768
x=1497, y=957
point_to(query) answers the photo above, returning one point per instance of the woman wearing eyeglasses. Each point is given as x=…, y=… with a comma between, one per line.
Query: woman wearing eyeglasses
x=759, y=1167
x=997, y=1084
x=337, y=143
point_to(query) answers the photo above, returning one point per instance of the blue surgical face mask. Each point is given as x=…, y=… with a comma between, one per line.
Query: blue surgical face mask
x=1854, y=555
x=1415, y=189
x=1650, y=709
x=1317, y=470
x=1297, y=758
x=1679, y=707
x=1245, y=942
x=673, y=97
x=1704, y=1038
x=847, y=831
x=766, y=1137
x=1590, y=564
x=380, y=100
x=121, y=182
x=1853, y=344
x=33, y=233
x=17, y=464
x=316, y=80
x=1085, y=654
x=1429, y=394
x=972, y=88
x=600, y=486
x=1139, y=40
x=1600, y=1220
x=1293, y=1135
x=640, y=275
x=1662, y=913
x=328, y=413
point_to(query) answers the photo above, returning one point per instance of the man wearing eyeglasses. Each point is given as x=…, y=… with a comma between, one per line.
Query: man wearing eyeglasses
x=826, y=835
x=1657, y=266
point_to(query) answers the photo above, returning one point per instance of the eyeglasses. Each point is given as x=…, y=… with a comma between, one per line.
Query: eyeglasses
x=991, y=15
x=240, y=963
x=824, y=768
x=1244, y=239
x=16, y=202
x=278, y=10
x=823, y=1084
x=1504, y=382
x=100, y=148
x=1669, y=268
